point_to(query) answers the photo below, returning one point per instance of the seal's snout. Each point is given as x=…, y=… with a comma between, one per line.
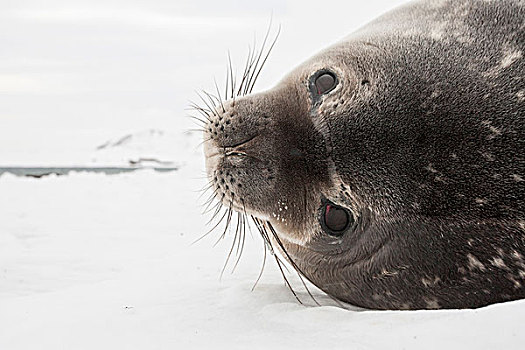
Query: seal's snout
x=255, y=145
x=234, y=144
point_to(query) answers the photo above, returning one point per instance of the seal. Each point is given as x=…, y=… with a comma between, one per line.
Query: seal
x=389, y=169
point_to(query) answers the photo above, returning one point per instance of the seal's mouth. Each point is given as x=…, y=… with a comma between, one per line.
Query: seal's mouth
x=236, y=154
x=227, y=168
x=240, y=149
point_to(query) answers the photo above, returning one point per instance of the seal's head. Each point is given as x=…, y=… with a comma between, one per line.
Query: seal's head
x=391, y=165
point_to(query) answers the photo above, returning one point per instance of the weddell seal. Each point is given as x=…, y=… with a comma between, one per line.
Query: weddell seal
x=389, y=169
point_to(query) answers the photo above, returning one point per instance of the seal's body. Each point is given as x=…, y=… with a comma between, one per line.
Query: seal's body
x=392, y=164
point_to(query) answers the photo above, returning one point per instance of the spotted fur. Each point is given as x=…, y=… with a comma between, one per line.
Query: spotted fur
x=422, y=140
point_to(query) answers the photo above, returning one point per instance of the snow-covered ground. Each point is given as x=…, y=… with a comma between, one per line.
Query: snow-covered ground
x=90, y=261
x=107, y=262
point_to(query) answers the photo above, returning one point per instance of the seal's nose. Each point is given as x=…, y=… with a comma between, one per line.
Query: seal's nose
x=236, y=122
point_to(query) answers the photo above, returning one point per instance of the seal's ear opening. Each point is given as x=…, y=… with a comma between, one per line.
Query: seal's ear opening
x=335, y=219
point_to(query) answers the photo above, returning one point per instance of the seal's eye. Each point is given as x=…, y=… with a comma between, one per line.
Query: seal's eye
x=325, y=83
x=335, y=219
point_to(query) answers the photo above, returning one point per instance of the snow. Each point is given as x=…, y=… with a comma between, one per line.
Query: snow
x=92, y=261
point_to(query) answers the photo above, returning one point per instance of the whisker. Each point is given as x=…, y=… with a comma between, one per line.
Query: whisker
x=208, y=203
x=217, y=210
x=239, y=223
x=211, y=109
x=203, y=141
x=280, y=264
x=265, y=251
x=211, y=230
x=253, y=64
x=245, y=223
x=205, y=190
x=200, y=128
x=212, y=98
x=231, y=77
x=218, y=93
x=247, y=69
x=265, y=59
x=264, y=234
x=210, y=200
x=204, y=112
x=227, y=79
x=286, y=280
x=227, y=225
x=194, y=130
x=195, y=107
x=262, y=269
x=258, y=57
x=294, y=265
x=198, y=120
x=235, y=239
x=272, y=250
x=240, y=244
